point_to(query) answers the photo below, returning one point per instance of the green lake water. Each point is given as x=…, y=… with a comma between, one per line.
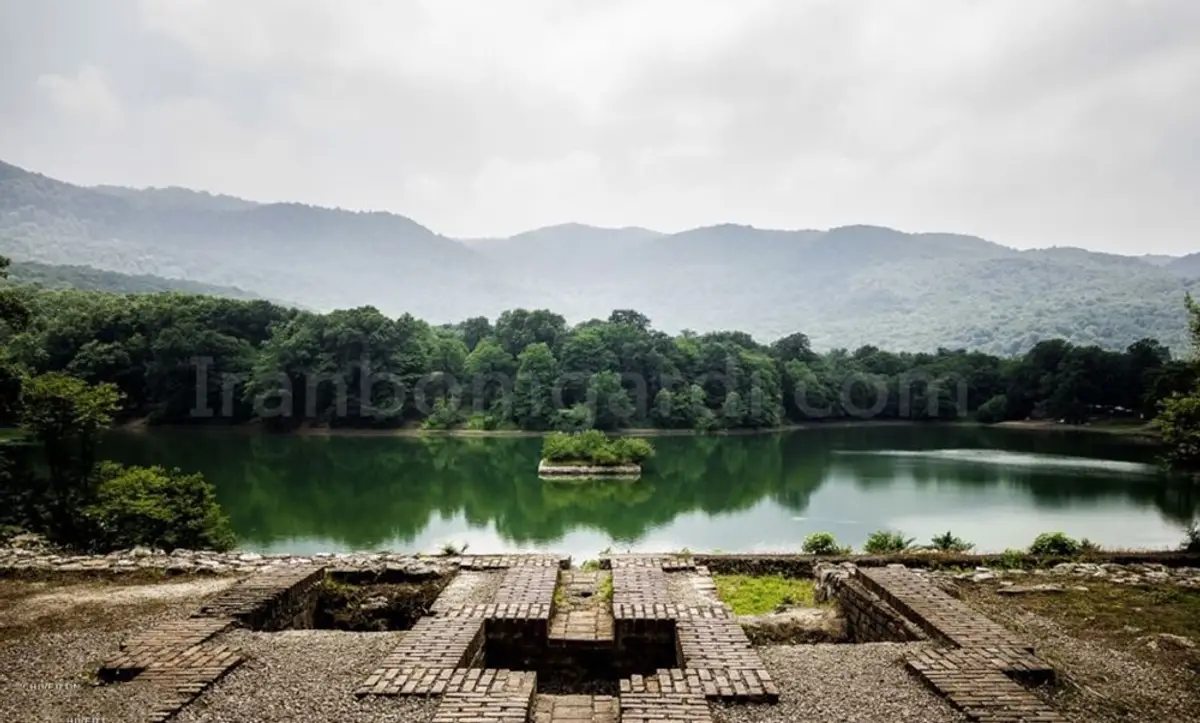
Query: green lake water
x=997, y=488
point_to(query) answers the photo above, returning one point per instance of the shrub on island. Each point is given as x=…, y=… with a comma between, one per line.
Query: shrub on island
x=594, y=449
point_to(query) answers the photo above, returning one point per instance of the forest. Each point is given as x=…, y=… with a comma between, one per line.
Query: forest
x=189, y=359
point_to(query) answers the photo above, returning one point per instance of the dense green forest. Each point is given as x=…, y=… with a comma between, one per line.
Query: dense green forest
x=182, y=359
x=845, y=287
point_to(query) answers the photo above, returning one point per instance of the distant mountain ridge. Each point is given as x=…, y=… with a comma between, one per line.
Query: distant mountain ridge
x=844, y=287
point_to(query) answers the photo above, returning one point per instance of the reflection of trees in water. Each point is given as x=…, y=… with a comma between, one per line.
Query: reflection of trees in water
x=363, y=491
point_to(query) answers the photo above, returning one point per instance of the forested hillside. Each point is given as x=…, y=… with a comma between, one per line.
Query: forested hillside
x=90, y=279
x=198, y=359
x=845, y=287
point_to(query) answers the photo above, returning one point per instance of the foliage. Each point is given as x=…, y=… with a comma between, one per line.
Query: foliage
x=823, y=543
x=66, y=415
x=761, y=594
x=1054, y=543
x=1191, y=539
x=593, y=447
x=444, y=415
x=1012, y=559
x=882, y=542
x=948, y=542
x=1087, y=546
x=993, y=410
x=155, y=507
x=606, y=589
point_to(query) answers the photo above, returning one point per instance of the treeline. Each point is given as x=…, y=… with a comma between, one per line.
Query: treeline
x=180, y=359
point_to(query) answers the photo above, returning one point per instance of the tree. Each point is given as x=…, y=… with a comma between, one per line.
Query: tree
x=1179, y=417
x=520, y=328
x=533, y=392
x=153, y=506
x=611, y=406
x=66, y=415
x=475, y=330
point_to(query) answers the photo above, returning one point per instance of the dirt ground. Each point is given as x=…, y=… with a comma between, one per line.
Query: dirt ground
x=1123, y=653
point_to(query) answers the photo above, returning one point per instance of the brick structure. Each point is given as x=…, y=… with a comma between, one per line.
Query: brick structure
x=576, y=709
x=493, y=696
x=979, y=671
x=507, y=562
x=664, y=708
x=182, y=657
x=868, y=618
x=271, y=600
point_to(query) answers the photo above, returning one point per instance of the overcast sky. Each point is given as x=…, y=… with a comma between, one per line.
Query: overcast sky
x=1032, y=123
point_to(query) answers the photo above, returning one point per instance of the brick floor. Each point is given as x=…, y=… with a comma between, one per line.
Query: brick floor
x=504, y=562
x=664, y=708
x=576, y=709
x=501, y=696
x=529, y=585
x=979, y=672
x=582, y=615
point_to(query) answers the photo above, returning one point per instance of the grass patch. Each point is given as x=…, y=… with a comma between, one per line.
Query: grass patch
x=606, y=589
x=760, y=594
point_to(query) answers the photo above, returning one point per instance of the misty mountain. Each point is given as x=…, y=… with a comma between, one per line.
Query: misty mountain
x=92, y=279
x=1186, y=266
x=323, y=258
x=844, y=287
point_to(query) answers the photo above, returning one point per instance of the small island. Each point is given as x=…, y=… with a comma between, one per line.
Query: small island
x=593, y=455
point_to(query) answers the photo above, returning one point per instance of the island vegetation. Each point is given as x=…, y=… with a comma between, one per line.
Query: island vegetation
x=594, y=448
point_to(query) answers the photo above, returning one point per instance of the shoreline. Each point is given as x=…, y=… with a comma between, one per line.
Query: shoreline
x=139, y=426
x=1139, y=431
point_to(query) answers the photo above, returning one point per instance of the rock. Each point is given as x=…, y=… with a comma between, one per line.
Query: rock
x=1169, y=641
x=249, y=557
x=379, y=602
x=795, y=625
x=141, y=552
x=982, y=577
x=1029, y=589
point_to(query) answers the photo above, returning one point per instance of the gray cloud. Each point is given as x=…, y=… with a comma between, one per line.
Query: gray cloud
x=1072, y=122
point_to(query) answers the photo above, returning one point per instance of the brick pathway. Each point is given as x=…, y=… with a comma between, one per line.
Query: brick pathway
x=181, y=657
x=979, y=672
x=575, y=709
x=583, y=616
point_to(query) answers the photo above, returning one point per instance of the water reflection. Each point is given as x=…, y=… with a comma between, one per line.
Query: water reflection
x=733, y=493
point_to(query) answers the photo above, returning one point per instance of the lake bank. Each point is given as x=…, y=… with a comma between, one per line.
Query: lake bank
x=1137, y=431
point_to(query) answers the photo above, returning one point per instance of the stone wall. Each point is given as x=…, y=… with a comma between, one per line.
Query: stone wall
x=868, y=618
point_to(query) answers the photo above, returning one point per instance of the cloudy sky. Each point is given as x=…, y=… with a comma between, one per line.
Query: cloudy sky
x=1032, y=123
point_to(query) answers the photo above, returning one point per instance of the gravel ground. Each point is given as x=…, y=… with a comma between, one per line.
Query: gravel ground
x=304, y=675
x=1103, y=682
x=52, y=642
x=846, y=683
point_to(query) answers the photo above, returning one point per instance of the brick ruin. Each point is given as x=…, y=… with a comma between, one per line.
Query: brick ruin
x=641, y=639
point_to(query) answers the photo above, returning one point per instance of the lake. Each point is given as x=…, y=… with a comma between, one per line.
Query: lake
x=998, y=488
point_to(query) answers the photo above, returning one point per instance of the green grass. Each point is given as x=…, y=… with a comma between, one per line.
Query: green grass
x=760, y=594
x=606, y=589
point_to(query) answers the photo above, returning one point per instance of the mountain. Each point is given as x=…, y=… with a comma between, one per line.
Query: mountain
x=1186, y=266
x=321, y=257
x=844, y=287
x=90, y=279
x=1158, y=259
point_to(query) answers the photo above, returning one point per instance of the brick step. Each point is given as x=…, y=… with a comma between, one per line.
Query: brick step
x=575, y=709
x=268, y=600
x=584, y=617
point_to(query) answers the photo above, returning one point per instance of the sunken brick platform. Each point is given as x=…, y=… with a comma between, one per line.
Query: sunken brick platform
x=645, y=636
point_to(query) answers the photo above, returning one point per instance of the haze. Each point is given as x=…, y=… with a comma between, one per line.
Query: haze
x=1030, y=124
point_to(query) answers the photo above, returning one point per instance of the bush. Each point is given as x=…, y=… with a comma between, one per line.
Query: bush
x=1054, y=543
x=950, y=543
x=1191, y=539
x=1086, y=545
x=1012, y=559
x=993, y=410
x=443, y=416
x=823, y=543
x=156, y=507
x=594, y=447
x=882, y=542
